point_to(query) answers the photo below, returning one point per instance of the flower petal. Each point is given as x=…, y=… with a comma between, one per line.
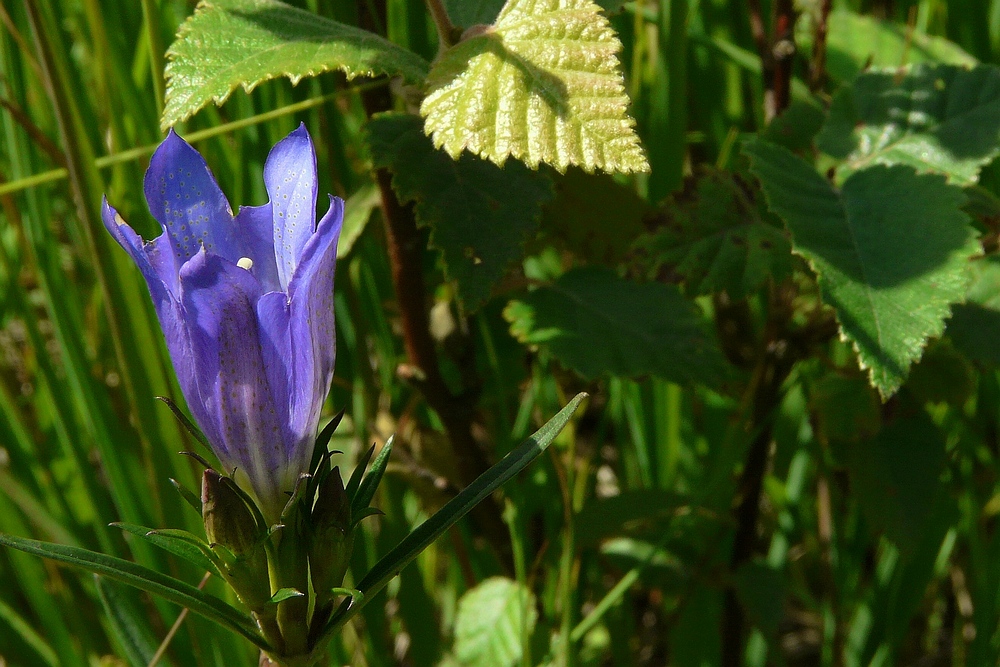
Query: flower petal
x=257, y=243
x=184, y=197
x=311, y=322
x=220, y=310
x=290, y=179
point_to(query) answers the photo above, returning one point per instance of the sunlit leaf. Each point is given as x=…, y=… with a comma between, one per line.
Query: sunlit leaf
x=230, y=43
x=492, y=622
x=937, y=118
x=542, y=85
x=890, y=249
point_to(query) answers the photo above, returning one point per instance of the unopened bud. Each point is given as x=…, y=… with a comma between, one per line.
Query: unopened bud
x=332, y=538
x=234, y=534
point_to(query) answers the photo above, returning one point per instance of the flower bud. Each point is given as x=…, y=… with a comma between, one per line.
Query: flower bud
x=235, y=536
x=332, y=538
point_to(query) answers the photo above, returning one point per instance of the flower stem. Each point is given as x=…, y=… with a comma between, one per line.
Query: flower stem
x=445, y=28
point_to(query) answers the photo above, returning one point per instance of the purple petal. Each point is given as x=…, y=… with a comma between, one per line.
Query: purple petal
x=157, y=267
x=311, y=322
x=220, y=309
x=257, y=244
x=290, y=179
x=184, y=197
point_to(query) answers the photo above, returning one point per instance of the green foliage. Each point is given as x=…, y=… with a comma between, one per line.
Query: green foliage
x=506, y=93
x=230, y=43
x=889, y=249
x=480, y=214
x=715, y=238
x=598, y=324
x=975, y=325
x=857, y=43
x=494, y=620
x=938, y=118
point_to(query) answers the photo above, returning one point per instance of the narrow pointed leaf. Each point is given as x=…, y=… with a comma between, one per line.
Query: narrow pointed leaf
x=143, y=578
x=188, y=495
x=425, y=534
x=358, y=474
x=542, y=85
x=178, y=542
x=369, y=484
x=129, y=625
x=230, y=43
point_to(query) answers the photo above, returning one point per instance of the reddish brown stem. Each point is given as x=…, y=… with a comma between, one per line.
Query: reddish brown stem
x=405, y=246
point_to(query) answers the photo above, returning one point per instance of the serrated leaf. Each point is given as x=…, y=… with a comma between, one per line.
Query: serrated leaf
x=890, y=249
x=467, y=13
x=597, y=323
x=937, y=118
x=713, y=236
x=596, y=217
x=543, y=85
x=492, y=622
x=856, y=42
x=480, y=214
x=228, y=43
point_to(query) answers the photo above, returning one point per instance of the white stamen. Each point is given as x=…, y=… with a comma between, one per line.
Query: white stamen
x=119, y=219
x=245, y=263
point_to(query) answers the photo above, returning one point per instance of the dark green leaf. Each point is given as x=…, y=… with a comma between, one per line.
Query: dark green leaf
x=143, y=578
x=227, y=43
x=597, y=323
x=896, y=477
x=975, y=325
x=714, y=237
x=938, y=118
x=480, y=214
x=890, y=250
x=595, y=216
x=178, y=542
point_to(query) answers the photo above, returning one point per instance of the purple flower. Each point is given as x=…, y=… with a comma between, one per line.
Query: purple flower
x=246, y=306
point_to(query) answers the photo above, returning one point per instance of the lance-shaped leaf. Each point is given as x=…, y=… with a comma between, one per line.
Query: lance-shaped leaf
x=480, y=214
x=597, y=323
x=227, y=43
x=426, y=533
x=890, y=249
x=938, y=118
x=543, y=84
x=143, y=578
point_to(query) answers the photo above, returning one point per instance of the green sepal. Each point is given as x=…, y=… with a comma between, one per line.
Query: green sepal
x=358, y=517
x=188, y=425
x=283, y=594
x=323, y=440
x=358, y=474
x=188, y=495
x=366, y=491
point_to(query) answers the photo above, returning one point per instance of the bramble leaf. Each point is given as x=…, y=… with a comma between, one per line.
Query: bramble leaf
x=542, y=85
x=227, y=43
x=597, y=323
x=715, y=238
x=936, y=118
x=492, y=621
x=480, y=214
x=890, y=250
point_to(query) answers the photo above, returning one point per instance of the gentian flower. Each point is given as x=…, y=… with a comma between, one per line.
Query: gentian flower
x=246, y=306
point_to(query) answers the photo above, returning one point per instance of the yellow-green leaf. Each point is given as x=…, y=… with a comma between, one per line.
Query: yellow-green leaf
x=542, y=85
